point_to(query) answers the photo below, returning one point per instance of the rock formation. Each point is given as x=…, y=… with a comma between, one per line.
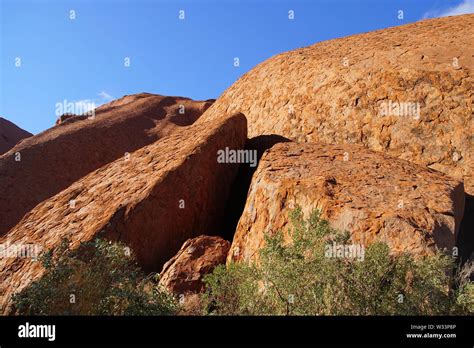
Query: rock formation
x=54, y=159
x=374, y=130
x=185, y=271
x=69, y=118
x=406, y=91
x=369, y=194
x=10, y=135
x=153, y=201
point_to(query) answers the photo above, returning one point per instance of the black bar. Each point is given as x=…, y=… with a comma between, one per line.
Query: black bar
x=243, y=330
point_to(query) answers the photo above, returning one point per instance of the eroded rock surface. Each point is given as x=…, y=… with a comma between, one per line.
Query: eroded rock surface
x=54, y=159
x=153, y=201
x=197, y=257
x=369, y=194
x=337, y=91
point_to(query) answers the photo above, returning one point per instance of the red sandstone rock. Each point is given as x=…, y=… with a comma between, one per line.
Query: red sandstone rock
x=369, y=194
x=197, y=257
x=162, y=195
x=10, y=135
x=335, y=91
x=57, y=157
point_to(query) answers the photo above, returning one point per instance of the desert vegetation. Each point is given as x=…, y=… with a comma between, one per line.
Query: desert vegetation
x=296, y=278
x=299, y=279
x=98, y=278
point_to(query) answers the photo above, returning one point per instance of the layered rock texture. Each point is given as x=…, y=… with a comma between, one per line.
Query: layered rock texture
x=41, y=166
x=197, y=257
x=369, y=194
x=10, y=135
x=153, y=201
x=407, y=91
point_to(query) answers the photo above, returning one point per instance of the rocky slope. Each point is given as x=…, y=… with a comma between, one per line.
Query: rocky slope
x=10, y=135
x=407, y=91
x=57, y=157
x=162, y=195
x=369, y=194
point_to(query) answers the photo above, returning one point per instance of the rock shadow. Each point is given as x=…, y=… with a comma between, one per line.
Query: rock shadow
x=238, y=196
x=465, y=240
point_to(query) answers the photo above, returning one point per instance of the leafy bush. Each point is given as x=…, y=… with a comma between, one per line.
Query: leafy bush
x=299, y=279
x=98, y=278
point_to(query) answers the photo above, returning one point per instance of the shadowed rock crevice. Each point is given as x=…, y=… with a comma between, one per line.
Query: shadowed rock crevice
x=238, y=196
x=465, y=240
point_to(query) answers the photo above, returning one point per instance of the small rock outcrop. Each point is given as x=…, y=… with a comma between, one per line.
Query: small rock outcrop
x=197, y=257
x=153, y=201
x=43, y=165
x=369, y=194
x=10, y=135
x=70, y=118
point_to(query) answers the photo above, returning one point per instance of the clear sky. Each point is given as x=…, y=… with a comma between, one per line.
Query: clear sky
x=83, y=59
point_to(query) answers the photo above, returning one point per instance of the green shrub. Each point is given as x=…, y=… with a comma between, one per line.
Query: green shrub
x=98, y=278
x=465, y=288
x=299, y=279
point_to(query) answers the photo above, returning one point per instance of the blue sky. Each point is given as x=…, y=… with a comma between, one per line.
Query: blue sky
x=82, y=59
